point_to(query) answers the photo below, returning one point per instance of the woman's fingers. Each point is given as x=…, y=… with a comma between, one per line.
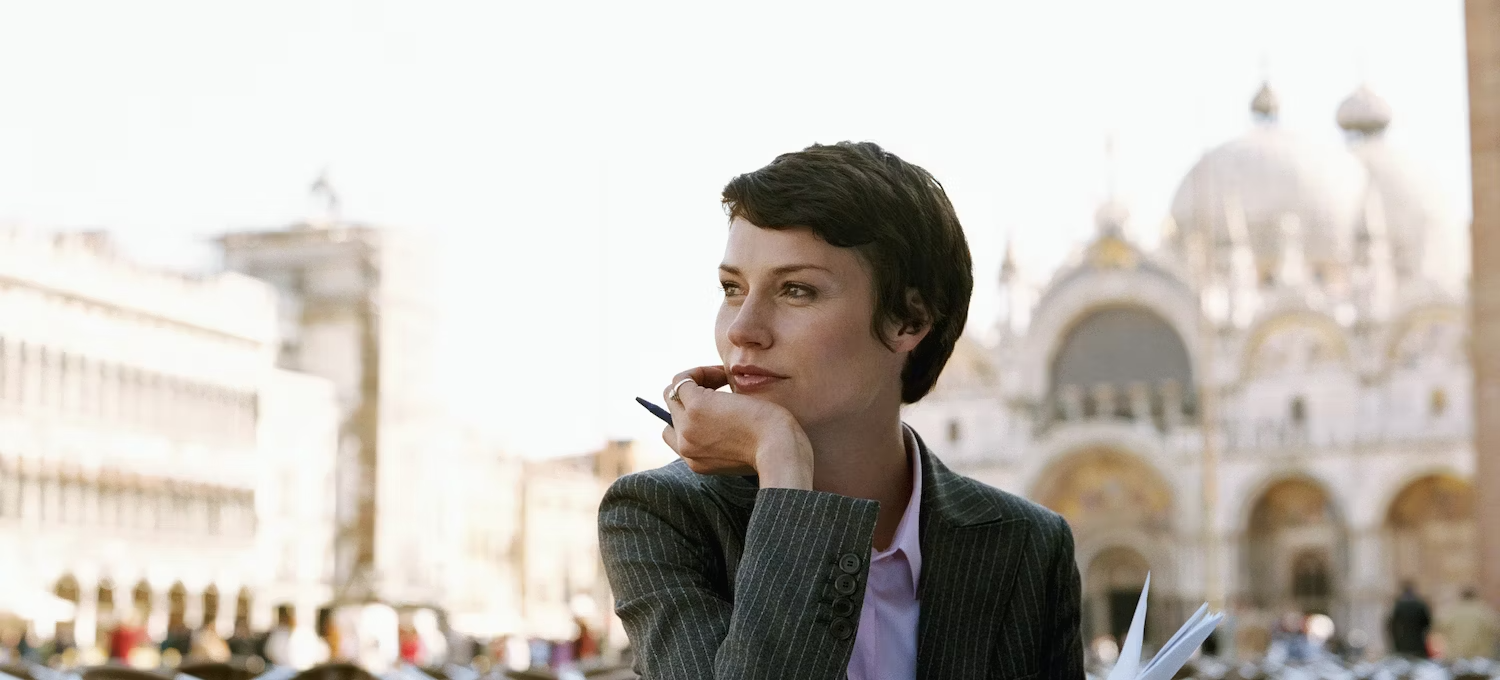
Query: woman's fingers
x=709, y=377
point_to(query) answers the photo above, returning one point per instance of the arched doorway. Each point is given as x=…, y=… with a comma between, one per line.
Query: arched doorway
x=1121, y=362
x=242, y=610
x=1112, y=588
x=1120, y=510
x=141, y=601
x=67, y=588
x=210, y=605
x=1295, y=548
x=177, y=606
x=105, y=606
x=1430, y=537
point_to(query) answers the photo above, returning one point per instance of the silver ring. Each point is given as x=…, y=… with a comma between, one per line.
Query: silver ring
x=673, y=394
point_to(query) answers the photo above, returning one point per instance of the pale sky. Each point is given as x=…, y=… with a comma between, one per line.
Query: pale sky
x=569, y=155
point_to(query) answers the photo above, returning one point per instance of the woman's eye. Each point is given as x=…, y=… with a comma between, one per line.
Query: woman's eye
x=798, y=291
x=729, y=287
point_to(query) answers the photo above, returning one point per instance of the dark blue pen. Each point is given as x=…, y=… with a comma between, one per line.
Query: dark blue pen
x=655, y=410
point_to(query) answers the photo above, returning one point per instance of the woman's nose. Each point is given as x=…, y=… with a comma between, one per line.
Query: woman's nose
x=750, y=327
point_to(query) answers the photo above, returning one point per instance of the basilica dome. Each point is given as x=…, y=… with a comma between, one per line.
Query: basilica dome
x=1266, y=175
x=1411, y=209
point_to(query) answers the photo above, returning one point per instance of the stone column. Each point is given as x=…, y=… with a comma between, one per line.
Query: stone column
x=1071, y=399
x=229, y=601
x=86, y=619
x=1482, y=18
x=1105, y=402
x=1171, y=403
x=192, y=610
x=1139, y=395
x=161, y=605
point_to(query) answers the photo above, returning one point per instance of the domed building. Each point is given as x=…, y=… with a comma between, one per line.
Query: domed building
x=1271, y=410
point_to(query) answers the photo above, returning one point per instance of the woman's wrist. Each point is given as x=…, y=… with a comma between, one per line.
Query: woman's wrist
x=785, y=461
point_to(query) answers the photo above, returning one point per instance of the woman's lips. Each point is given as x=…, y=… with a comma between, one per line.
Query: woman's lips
x=745, y=383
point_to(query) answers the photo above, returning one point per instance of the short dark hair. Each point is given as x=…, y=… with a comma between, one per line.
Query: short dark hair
x=858, y=195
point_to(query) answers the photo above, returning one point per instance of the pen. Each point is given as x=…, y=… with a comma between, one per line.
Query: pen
x=655, y=410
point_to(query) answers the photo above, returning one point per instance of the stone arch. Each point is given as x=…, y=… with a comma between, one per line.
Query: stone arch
x=1429, y=535
x=1103, y=486
x=1322, y=329
x=1119, y=361
x=1121, y=510
x=141, y=600
x=177, y=597
x=210, y=604
x=67, y=589
x=1074, y=297
x=104, y=606
x=1296, y=537
x=1403, y=339
x=242, y=608
x=1112, y=582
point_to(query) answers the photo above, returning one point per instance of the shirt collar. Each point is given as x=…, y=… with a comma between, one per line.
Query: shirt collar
x=907, y=540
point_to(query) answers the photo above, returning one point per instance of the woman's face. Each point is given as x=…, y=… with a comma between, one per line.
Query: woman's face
x=794, y=327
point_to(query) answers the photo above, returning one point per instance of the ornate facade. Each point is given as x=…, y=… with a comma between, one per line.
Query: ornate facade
x=1271, y=410
x=134, y=405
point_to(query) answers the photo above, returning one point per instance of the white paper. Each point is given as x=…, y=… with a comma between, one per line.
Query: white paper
x=1173, y=655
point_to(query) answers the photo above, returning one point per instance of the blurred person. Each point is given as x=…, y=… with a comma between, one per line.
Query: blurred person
x=207, y=646
x=1409, y=623
x=335, y=671
x=1470, y=628
x=179, y=639
x=585, y=646
x=292, y=646
x=434, y=645
x=846, y=281
x=1293, y=635
x=410, y=643
x=242, y=642
x=328, y=631
x=126, y=635
x=63, y=640
x=28, y=647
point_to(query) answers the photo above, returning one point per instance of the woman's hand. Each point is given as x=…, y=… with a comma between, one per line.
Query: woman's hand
x=723, y=433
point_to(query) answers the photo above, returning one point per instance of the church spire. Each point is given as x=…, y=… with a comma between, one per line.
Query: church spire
x=322, y=203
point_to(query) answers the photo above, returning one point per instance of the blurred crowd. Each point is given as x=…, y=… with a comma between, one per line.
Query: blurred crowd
x=1459, y=640
x=417, y=639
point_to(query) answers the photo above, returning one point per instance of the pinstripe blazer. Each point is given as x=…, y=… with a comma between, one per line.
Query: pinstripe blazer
x=715, y=578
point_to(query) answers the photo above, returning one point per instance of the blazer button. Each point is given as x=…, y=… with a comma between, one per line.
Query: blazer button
x=849, y=563
x=844, y=584
x=843, y=607
x=841, y=629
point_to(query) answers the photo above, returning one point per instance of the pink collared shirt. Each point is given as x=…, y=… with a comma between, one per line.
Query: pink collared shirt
x=885, y=646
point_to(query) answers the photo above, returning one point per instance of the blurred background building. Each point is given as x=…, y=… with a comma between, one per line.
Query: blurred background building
x=1482, y=25
x=142, y=418
x=1271, y=410
x=196, y=451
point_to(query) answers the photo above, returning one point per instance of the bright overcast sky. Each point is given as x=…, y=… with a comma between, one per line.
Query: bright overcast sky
x=569, y=155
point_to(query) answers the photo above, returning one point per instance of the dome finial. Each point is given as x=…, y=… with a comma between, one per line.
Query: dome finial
x=1265, y=105
x=1364, y=113
x=1008, y=269
x=323, y=202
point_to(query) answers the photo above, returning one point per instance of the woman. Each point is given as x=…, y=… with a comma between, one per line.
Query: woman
x=806, y=532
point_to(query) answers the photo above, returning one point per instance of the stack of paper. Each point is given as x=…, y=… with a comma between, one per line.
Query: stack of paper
x=1173, y=655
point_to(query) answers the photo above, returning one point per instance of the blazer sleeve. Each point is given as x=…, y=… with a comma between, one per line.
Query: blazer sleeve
x=1064, y=656
x=779, y=621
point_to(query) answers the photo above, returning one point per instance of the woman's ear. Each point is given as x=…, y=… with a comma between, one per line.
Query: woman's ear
x=914, y=330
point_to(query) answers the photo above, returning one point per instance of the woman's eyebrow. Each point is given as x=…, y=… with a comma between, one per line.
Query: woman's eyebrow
x=778, y=271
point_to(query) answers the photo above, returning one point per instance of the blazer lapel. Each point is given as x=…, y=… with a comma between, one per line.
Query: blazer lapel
x=971, y=552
